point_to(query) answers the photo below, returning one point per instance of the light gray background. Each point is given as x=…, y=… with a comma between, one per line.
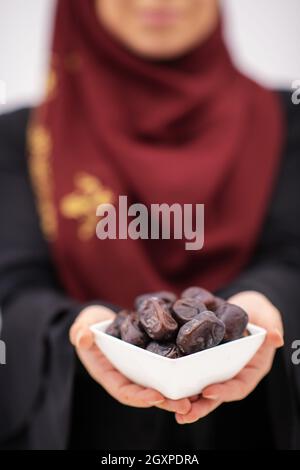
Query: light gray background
x=264, y=36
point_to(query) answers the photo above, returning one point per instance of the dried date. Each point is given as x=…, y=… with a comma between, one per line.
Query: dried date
x=202, y=332
x=132, y=333
x=169, y=350
x=157, y=321
x=186, y=309
x=235, y=320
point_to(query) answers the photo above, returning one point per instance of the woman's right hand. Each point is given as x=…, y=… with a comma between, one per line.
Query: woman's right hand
x=103, y=372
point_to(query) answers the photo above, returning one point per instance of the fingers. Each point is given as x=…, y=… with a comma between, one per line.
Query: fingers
x=199, y=409
x=182, y=406
x=83, y=339
x=186, y=410
x=116, y=384
x=260, y=310
x=106, y=375
x=124, y=391
x=134, y=395
x=247, y=380
x=274, y=338
x=80, y=335
x=233, y=390
x=241, y=386
x=194, y=398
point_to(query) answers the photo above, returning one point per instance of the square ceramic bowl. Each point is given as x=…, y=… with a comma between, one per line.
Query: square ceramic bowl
x=182, y=377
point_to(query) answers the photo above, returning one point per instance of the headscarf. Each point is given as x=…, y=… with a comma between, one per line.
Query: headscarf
x=191, y=130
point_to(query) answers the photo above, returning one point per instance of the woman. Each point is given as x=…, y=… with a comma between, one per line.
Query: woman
x=144, y=101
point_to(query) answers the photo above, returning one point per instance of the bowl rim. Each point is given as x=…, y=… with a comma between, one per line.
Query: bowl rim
x=258, y=332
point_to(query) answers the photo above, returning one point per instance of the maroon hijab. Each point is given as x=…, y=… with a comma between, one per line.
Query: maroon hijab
x=190, y=130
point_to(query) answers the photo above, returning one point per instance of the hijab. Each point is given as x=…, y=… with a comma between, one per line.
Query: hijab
x=190, y=130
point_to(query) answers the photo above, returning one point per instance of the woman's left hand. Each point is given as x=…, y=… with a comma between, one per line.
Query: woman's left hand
x=261, y=312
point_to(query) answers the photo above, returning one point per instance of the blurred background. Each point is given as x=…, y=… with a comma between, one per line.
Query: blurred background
x=263, y=35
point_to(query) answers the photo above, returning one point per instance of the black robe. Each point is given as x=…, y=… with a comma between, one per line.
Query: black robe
x=47, y=400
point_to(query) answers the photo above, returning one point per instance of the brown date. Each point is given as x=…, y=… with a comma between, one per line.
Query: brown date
x=169, y=350
x=156, y=320
x=186, y=309
x=235, y=320
x=114, y=328
x=202, y=332
x=132, y=333
x=172, y=327
x=202, y=294
x=168, y=298
x=217, y=303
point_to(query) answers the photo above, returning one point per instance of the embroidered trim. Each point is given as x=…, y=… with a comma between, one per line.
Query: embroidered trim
x=40, y=147
x=82, y=203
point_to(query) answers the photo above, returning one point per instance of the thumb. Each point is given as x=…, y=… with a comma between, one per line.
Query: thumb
x=80, y=334
x=274, y=338
x=84, y=339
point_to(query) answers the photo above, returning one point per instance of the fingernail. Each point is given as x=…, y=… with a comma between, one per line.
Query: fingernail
x=181, y=420
x=180, y=412
x=280, y=337
x=79, y=337
x=186, y=421
x=157, y=402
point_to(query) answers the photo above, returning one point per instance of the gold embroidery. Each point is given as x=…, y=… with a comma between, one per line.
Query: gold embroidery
x=82, y=203
x=40, y=146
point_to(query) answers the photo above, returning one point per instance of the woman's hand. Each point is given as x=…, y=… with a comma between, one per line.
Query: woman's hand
x=103, y=372
x=262, y=313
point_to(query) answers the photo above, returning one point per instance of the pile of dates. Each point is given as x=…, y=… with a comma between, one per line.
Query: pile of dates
x=174, y=327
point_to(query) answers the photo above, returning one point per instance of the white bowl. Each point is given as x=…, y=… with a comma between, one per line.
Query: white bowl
x=183, y=377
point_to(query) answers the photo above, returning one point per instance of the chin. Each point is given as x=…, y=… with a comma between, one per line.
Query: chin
x=159, y=51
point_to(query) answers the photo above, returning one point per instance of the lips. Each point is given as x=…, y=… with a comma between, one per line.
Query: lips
x=160, y=17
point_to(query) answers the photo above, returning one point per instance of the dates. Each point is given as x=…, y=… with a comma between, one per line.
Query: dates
x=114, y=328
x=186, y=309
x=132, y=333
x=173, y=328
x=202, y=332
x=168, y=298
x=201, y=294
x=169, y=350
x=156, y=320
x=235, y=320
x=217, y=303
